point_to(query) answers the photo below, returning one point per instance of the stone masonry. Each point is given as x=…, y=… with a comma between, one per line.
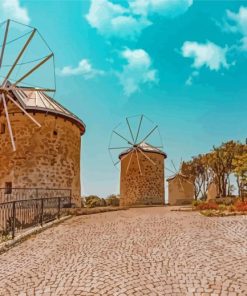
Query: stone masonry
x=46, y=157
x=145, y=188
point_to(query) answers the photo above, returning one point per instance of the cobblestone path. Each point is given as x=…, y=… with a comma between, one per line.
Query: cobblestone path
x=150, y=251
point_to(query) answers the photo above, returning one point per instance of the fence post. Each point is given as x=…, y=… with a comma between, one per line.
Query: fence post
x=70, y=197
x=13, y=219
x=42, y=212
x=59, y=207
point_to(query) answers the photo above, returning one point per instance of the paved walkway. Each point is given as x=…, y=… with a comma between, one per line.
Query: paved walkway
x=150, y=251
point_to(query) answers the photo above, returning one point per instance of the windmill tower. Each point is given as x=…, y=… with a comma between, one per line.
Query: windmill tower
x=141, y=163
x=180, y=187
x=40, y=140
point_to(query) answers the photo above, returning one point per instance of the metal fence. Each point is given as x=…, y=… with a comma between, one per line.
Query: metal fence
x=13, y=194
x=15, y=216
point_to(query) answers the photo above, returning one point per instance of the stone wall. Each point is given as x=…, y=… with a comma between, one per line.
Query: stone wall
x=180, y=193
x=46, y=157
x=145, y=189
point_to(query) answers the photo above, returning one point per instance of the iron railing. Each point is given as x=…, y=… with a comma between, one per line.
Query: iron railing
x=14, y=194
x=15, y=216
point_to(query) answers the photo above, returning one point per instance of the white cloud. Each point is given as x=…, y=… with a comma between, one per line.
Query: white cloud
x=237, y=23
x=114, y=20
x=190, y=79
x=84, y=69
x=137, y=72
x=128, y=22
x=12, y=9
x=209, y=55
x=167, y=8
x=239, y=20
x=244, y=44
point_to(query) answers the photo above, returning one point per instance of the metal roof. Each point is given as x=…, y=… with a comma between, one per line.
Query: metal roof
x=145, y=147
x=175, y=176
x=40, y=102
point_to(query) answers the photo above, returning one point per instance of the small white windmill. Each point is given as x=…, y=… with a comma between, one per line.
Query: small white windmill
x=20, y=61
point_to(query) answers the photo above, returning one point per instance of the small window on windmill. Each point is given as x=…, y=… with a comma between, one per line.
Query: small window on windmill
x=8, y=187
x=2, y=128
x=55, y=133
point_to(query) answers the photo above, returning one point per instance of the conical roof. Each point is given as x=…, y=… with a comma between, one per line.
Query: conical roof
x=145, y=147
x=38, y=101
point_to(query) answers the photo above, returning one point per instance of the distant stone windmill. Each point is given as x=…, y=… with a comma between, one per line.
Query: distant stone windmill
x=141, y=163
x=180, y=187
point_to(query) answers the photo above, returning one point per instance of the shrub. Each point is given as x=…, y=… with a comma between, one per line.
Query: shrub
x=225, y=200
x=113, y=200
x=195, y=203
x=222, y=207
x=93, y=201
x=210, y=205
x=241, y=206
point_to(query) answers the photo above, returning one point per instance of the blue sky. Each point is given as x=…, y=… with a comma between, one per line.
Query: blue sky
x=182, y=63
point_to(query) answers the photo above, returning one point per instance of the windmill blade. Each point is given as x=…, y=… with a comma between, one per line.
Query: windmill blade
x=138, y=162
x=32, y=89
x=174, y=166
x=138, y=131
x=19, y=56
x=188, y=181
x=8, y=122
x=33, y=69
x=181, y=183
x=131, y=133
x=147, y=157
x=24, y=111
x=4, y=42
x=129, y=161
x=170, y=171
x=122, y=158
x=113, y=148
x=149, y=134
x=123, y=138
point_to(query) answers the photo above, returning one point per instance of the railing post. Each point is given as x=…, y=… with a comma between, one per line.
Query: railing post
x=37, y=193
x=42, y=212
x=59, y=207
x=70, y=197
x=13, y=218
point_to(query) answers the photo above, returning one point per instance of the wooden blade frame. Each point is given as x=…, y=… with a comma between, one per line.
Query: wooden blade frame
x=24, y=111
x=123, y=138
x=4, y=42
x=131, y=154
x=32, y=89
x=148, y=134
x=147, y=157
x=131, y=133
x=139, y=166
x=19, y=56
x=33, y=69
x=138, y=131
x=8, y=122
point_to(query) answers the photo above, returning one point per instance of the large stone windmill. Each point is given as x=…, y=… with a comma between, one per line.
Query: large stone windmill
x=39, y=139
x=141, y=163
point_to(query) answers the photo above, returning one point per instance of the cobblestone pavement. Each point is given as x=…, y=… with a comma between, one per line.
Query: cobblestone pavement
x=147, y=251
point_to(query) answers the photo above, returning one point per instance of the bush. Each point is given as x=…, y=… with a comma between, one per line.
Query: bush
x=225, y=200
x=196, y=203
x=93, y=201
x=241, y=206
x=210, y=205
x=113, y=200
